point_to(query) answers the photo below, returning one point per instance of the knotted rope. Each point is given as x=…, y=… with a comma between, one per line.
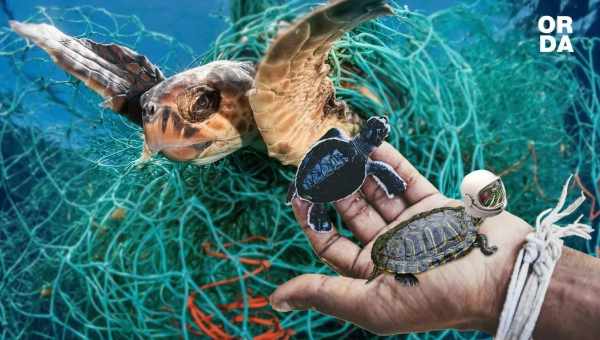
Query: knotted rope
x=534, y=266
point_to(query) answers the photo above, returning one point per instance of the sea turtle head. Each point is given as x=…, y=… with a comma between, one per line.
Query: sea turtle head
x=483, y=194
x=201, y=114
x=372, y=134
x=198, y=115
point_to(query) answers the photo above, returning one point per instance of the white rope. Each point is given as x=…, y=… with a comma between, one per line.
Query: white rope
x=534, y=266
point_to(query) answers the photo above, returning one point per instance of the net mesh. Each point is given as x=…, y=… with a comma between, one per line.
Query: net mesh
x=92, y=245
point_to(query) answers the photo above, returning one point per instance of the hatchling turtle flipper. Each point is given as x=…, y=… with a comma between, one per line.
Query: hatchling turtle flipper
x=291, y=193
x=386, y=177
x=332, y=133
x=294, y=100
x=318, y=219
x=115, y=72
x=408, y=280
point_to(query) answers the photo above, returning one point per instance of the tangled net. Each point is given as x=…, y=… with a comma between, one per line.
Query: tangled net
x=92, y=246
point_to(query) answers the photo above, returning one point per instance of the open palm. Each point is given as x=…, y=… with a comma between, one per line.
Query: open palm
x=466, y=293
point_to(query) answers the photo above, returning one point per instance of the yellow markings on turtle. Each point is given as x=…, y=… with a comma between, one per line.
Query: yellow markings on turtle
x=456, y=234
x=429, y=236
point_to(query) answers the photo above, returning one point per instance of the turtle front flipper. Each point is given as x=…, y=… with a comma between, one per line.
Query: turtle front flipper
x=387, y=178
x=333, y=133
x=318, y=219
x=294, y=100
x=117, y=73
x=482, y=243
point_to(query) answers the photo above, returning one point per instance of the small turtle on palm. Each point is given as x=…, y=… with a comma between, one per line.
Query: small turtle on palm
x=336, y=167
x=435, y=237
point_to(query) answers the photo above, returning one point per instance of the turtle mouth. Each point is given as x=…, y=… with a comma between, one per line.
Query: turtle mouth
x=201, y=147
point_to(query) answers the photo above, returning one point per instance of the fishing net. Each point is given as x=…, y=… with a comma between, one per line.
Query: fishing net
x=94, y=246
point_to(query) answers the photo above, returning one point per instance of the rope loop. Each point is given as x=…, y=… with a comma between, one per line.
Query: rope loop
x=539, y=256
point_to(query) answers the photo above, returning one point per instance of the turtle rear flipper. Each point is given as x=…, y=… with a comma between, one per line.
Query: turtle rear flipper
x=376, y=272
x=291, y=194
x=387, y=178
x=294, y=100
x=117, y=73
x=318, y=219
x=408, y=280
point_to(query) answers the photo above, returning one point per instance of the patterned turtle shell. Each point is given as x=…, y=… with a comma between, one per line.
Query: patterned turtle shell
x=425, y=241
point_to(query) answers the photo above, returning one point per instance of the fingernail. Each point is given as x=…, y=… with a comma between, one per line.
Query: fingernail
x=281, y=306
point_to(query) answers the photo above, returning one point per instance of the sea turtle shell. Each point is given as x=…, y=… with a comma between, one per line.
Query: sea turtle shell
x=425, y=241
x=332, y=169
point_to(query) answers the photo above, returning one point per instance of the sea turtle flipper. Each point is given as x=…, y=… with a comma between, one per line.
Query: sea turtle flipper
x=294, y=101
x=318, y=219
x=387, y=178
x=333, y=133
x=291, y=193
x=117, y=73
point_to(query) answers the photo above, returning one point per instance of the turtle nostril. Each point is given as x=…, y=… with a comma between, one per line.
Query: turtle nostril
x=149, y=111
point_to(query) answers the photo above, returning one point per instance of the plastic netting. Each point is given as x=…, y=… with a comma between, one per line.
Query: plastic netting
x=92, y=246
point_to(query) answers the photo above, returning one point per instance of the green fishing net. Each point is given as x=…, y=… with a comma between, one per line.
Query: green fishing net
x=93, y=245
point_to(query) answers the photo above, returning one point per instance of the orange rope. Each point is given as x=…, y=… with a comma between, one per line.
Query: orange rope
x=253, y=303
x=209, y=328
x=593, y=213
x=204, y=321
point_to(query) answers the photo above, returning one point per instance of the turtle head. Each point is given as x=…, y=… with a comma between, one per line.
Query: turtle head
x=201, y=114
x=483, y=194
x=373, y=133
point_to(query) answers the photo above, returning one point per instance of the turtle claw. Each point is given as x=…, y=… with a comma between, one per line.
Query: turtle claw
x=317, y=218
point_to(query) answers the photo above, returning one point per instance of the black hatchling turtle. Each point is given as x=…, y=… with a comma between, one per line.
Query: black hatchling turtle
x=434, y=237
x=335, y=167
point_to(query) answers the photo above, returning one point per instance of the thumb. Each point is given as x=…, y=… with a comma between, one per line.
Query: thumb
x=337, y=296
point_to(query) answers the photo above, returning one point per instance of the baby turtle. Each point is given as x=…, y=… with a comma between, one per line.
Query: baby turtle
x=335, y=167
x=434, y=237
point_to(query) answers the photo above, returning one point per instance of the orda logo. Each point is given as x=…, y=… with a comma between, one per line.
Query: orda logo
x=562, y=27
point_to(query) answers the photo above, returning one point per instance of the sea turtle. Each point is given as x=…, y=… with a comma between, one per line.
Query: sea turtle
x=434, y=237
x=335, y=167
x=208, y=112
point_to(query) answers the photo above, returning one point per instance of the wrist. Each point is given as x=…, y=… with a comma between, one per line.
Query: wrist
x=571, y=299
x=508, y=233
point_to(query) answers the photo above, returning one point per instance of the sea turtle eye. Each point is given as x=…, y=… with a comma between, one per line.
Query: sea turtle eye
x=202, y=102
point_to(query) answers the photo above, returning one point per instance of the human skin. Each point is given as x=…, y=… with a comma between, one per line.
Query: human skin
x=467, y=293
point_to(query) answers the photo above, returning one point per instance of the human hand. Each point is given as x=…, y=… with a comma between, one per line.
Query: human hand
x=466, y=293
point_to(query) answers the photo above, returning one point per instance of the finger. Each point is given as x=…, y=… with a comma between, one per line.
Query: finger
x=360, y=217
x=417, y=186
x=337, y=251
x=338, y=296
